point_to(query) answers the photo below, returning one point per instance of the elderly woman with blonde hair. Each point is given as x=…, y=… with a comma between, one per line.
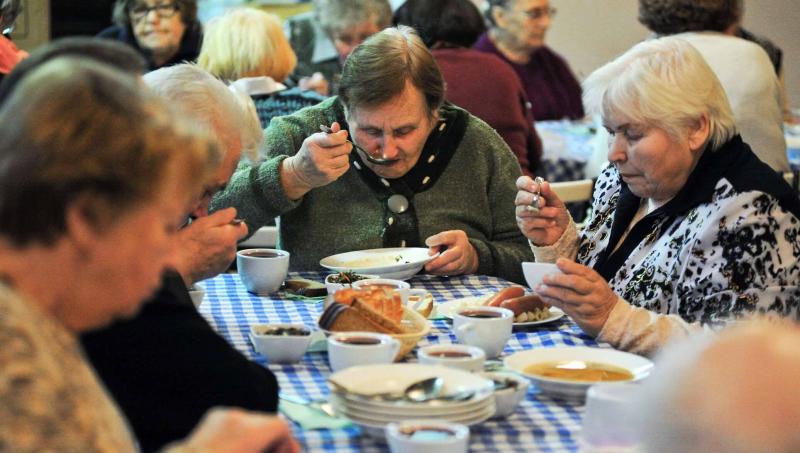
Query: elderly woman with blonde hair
x=246, y=47
x=689, y=229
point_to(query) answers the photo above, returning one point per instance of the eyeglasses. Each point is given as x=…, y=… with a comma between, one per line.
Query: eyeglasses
x=164, y=11
x=538, y=13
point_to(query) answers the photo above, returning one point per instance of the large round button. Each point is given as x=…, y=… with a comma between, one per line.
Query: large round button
x=397, y=203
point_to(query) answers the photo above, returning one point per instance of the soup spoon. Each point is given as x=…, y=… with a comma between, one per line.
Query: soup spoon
x=370, y=157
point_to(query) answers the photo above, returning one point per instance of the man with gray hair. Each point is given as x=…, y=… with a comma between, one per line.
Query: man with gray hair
x=207, y=245
x=167, y=366
x=735, y=392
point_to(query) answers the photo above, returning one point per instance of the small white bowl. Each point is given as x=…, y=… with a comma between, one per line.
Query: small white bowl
x=464, y=357
x=427, y=436
x=507, y=398
x=280, y=348
x=333, y=287
x=534, y=272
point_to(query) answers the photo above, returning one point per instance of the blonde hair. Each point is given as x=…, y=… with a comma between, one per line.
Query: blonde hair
x=75, y=128
x=664, y=83
x=246, y=42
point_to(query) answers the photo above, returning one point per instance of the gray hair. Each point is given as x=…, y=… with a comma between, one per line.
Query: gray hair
x=668, y=17
x=9, y=10
x=337, y=15
x=665, y=83
x=378, y=69
x=107, y=140
x=229, y=112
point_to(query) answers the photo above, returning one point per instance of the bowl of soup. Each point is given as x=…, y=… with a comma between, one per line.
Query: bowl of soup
x=568, y=371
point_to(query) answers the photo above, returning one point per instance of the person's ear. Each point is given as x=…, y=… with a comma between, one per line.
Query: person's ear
x=499, y=16
x=699, y=133
x=80, y=224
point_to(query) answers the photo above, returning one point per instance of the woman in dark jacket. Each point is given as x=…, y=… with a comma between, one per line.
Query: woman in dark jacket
x=165, y=33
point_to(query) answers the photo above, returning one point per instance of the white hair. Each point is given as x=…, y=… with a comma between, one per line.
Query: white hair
x=229, y=112
x=664, y=83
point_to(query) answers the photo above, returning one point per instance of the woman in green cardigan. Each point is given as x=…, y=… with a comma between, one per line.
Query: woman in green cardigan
x=446, y=180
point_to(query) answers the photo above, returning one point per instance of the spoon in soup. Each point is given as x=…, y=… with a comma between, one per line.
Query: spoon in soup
x=375, y=160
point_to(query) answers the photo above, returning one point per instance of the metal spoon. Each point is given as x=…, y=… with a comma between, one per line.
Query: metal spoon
x=419, y=392
x=424, y=390
x=374, y=160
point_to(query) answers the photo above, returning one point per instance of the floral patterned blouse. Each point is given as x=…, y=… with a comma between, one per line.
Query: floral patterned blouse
x=726, y=246
x=50, y=399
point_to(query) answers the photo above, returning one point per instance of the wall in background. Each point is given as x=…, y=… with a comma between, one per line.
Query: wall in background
x=32, y=27
x=589, y=33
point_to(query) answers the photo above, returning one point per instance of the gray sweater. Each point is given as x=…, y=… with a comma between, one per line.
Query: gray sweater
x=475, y=193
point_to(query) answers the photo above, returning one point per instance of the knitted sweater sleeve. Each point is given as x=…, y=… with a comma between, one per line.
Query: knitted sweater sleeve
x=255, y=190
x=502, y=252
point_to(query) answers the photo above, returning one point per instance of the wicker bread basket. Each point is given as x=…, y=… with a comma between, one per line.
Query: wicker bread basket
x=416, y=327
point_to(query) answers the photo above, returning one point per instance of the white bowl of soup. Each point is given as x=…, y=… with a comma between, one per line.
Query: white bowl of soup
x=568, y=371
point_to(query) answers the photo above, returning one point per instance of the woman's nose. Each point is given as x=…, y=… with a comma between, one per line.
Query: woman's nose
x=389, y=149
x=152, y=16
x=616, y=148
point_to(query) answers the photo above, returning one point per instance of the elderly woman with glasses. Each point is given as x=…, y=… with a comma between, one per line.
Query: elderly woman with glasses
x=689, y=228
x=516, y=35
x=165, y=32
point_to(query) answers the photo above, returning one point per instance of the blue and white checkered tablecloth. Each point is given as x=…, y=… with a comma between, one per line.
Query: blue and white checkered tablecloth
x=539, y=424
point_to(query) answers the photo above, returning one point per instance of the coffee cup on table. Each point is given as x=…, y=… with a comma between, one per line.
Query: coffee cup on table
x=389, y=284
x=488, y=328
x=346, y=349
x=262, y=270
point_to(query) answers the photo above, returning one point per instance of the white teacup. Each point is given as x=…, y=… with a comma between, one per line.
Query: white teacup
x=346, y=349
x=488, y=328
x=467, y=358
x=404, y=288
x=427, y=436
x=535, y=272
x=262, y=270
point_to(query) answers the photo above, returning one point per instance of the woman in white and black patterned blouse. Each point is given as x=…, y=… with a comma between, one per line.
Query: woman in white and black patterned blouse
x=689, y=228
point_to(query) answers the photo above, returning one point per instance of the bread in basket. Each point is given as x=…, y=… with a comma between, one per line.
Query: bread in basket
x=375, y=310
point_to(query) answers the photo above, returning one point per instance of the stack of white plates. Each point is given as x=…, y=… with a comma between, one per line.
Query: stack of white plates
x=351, y=388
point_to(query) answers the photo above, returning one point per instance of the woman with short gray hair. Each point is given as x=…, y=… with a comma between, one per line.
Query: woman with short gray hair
x=393, y=166
x=323, y=38
x=688, y=230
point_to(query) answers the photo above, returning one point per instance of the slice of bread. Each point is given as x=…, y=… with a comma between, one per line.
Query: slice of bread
x=356, y=310
x=381, y=301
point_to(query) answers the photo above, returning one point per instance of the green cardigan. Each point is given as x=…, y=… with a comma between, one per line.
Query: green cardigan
x=475, y=193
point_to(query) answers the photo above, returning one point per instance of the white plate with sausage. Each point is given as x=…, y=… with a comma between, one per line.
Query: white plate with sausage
x=449, y=308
